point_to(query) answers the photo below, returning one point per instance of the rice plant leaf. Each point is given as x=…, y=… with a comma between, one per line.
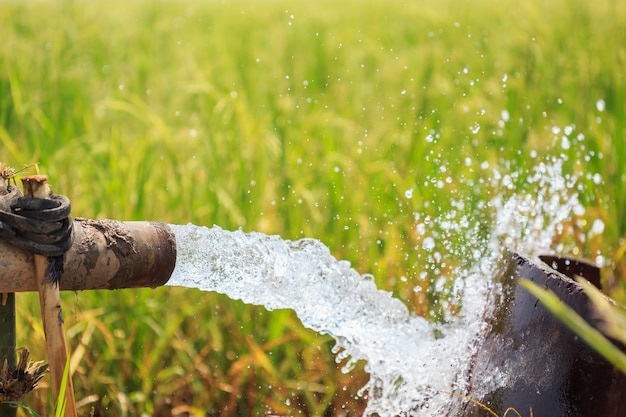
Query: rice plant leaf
x=612, y=316
x=577, y=324
x=23, y=406
x=61, y=400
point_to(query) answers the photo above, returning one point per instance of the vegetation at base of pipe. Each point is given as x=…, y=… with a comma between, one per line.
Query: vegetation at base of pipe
x=61, y=403
x=18, y=404
x=302, y=119
x=61, y=400
x=510, y=410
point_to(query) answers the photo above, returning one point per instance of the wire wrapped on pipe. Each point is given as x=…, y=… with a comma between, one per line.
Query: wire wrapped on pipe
x=38, y=225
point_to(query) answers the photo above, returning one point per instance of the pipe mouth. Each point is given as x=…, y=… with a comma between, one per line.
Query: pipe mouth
x=135, y=254
x=573, y=267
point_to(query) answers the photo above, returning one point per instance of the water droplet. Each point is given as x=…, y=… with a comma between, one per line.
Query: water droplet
x=600, y=260
x=597, y=227
x=409, y=193
x=578, y=210
x=428, y=244
x=600, y=105
x=568, y=129
x=597, y=179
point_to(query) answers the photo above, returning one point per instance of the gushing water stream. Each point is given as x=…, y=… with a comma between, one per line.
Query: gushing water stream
x=406, y=362
x=412, y=371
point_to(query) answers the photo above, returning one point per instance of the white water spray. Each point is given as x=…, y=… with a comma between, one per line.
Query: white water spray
x=406, y=362
x=412, y=371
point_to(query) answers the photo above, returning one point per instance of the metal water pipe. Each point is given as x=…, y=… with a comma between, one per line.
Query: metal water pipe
x=106, y=254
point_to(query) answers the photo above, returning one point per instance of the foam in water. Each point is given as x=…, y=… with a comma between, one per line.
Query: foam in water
x=412, y=371
x=407, y=364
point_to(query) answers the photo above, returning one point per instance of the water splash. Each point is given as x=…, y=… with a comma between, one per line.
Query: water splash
x=529, y=221
x=409, y=367
x=413, y=363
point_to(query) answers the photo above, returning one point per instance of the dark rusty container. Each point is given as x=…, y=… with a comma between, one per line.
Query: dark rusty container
x=530, y=362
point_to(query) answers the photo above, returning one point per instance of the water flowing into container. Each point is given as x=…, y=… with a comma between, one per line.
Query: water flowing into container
x=402, y=353
x=415, y=365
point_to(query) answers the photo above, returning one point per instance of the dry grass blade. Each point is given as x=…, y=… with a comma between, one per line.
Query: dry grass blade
x=15, y=384
x=612, y=316
x=486, y=408
x=577, y=324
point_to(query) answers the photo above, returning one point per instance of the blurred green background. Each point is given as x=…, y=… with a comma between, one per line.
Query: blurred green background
x=350, y=122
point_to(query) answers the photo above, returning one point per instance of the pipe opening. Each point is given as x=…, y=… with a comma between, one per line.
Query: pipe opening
x=573, y=268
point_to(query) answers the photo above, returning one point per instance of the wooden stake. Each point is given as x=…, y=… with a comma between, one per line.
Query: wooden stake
x=36, y=186
x=7, y=342
x=7, y=322
x=56, y=345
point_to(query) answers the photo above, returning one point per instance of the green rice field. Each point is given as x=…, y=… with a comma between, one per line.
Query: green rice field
x=351, y=122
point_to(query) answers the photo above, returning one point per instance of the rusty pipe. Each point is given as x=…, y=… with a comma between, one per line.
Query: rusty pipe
x=106, y=254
